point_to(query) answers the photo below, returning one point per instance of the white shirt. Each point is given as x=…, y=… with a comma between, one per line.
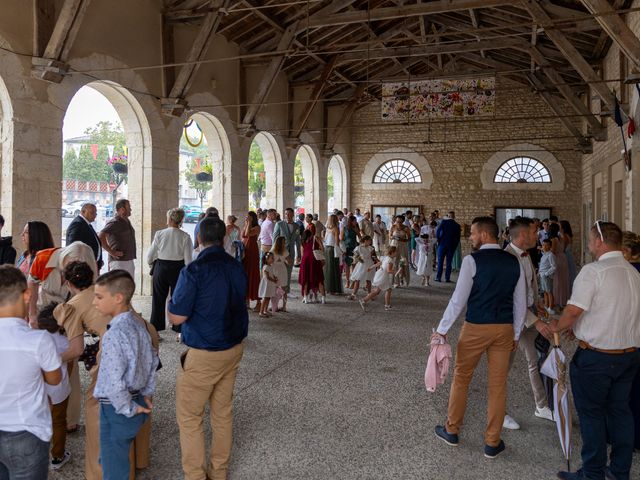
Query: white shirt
x=58, y=393
x=527, y=266
x=171, y=244
x=608, y=292
x=23, y=400
x=266, y=232
x=463, y=290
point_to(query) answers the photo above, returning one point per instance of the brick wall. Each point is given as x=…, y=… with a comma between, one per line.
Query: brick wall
x=461, y=147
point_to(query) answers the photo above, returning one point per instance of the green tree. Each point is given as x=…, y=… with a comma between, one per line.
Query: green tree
x=202, y=188
x=257, y=176
x=298, y=181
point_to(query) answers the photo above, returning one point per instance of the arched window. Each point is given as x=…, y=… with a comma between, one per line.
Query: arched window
x=522, y=170
x=397, y=171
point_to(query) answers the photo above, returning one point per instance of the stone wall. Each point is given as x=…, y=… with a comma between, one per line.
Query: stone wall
x=459, y=150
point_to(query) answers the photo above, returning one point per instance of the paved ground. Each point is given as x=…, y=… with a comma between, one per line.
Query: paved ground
x=328, y=392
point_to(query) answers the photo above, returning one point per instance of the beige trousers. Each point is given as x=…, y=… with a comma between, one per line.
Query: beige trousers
x=75, y=397
x=497, y=341
x=206, y=378
x=528, y=346
x=140, y=449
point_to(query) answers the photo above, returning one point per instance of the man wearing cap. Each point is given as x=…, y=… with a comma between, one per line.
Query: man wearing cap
x=604, y=314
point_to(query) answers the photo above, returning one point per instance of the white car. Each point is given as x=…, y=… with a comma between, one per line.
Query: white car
x=72, y=209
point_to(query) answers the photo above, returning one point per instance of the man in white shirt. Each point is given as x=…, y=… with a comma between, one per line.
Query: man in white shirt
x=492, y=287
x=524, y=235
x=380, y=235
x=25, y=418
x=266, y=232
x=604, y=313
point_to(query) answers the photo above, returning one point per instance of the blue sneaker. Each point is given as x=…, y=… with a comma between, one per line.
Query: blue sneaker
x=493, y=452
x=448, y=438
x=571, y=475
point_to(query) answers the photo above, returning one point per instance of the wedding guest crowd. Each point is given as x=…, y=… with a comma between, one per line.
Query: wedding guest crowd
x=518, y=287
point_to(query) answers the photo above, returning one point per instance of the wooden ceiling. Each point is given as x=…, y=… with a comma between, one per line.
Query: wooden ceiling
x=342, y=45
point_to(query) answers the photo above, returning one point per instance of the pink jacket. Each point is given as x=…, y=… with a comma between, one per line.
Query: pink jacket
x=437, y=364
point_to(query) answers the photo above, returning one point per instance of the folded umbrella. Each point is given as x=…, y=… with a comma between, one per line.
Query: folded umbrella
x=556, y=367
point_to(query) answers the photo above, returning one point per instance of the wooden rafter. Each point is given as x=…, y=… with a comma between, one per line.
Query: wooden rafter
x=51, y=65
x=570, y=52
x=616, y=28
x=174, y=104
x=269, y=77
x=315, y=96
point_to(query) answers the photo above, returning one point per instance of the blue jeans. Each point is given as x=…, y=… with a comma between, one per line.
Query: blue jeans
x=601, y=385
x=445, y=251
x=23, y=456
x=117, y=432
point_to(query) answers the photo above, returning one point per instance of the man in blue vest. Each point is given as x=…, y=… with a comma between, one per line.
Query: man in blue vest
x=448, y=235
x=492, y=287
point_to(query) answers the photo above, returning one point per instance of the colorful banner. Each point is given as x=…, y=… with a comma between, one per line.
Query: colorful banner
x=419, y=100
x=94, y=150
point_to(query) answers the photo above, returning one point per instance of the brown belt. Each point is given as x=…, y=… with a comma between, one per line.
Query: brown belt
x=616, y=351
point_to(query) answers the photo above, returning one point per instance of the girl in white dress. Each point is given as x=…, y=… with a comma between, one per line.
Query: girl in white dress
x=425, y=258
x=268, y=282
x=280, y=262
x=362, y=272
x=383, y=280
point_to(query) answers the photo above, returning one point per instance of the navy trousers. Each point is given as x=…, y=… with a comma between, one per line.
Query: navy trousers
x=445, y=251
x=601, y=385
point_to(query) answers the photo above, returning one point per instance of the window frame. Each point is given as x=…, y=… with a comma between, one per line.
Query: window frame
x=417, y=173
x=536, y=171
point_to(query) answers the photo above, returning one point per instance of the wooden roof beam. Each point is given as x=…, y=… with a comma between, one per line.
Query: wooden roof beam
x=616, y=28
x=570, y=52
x=174, y=105
x=567, y=92
x=604, y=39
x=390, y=13
x=269, y=78
x=584, y=144
x=51, y=65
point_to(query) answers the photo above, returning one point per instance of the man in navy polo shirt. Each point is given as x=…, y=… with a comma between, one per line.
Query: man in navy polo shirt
x=209, y=303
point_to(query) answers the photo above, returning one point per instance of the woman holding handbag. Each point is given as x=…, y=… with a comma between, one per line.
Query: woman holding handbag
x=311, y=277
x=170, y=250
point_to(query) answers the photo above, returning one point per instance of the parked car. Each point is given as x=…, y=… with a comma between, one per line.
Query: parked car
x=72, y=209
x=192, y=216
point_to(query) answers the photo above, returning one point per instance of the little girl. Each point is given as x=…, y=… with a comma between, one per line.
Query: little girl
x=383, y=280
x=363, y=258
x=425, y=258
x=280, y=263
x=58, y=394
x=267, y=288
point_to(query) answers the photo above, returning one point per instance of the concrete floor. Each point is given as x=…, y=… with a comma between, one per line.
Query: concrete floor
x=329, y=392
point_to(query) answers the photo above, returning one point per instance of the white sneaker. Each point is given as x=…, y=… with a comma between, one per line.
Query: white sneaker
x=362, y=305
x=323, y=300
x=304, y=299
x=544, y=412
x=58, y=463
x=510, y=424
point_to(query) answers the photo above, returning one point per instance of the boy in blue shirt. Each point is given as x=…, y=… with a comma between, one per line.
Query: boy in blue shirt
x=126, y=378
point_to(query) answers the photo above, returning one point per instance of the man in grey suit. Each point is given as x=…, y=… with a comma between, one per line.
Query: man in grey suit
x=523, y=237
x=288, y=229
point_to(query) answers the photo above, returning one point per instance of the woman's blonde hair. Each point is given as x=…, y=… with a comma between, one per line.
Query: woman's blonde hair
x=78, y=251
x=333, y=221
x=391, y=250
x=279, y=246
x=176, y=215
x=631, y=243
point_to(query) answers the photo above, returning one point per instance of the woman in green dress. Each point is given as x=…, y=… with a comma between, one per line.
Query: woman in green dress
x=349, y=236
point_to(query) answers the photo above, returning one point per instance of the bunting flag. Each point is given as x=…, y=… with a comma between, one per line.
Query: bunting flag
x=110, y=149
x=125, y=149
x=94, y=150
x=76, y=148
x=198, y=166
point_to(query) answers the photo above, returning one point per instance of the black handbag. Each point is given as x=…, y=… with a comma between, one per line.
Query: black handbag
x=153, y=266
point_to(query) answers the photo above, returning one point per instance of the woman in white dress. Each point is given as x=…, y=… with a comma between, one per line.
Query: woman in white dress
x=268, y=283
x=383, y=280
x=364, y=260
x=280, y=262
x=425, y=258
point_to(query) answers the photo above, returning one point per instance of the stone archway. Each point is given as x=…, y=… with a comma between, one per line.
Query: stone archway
x=220, y=152
x=310, y=170
x=138, y=140
x=338, y=172
x=6, y=152
x=272, y=159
